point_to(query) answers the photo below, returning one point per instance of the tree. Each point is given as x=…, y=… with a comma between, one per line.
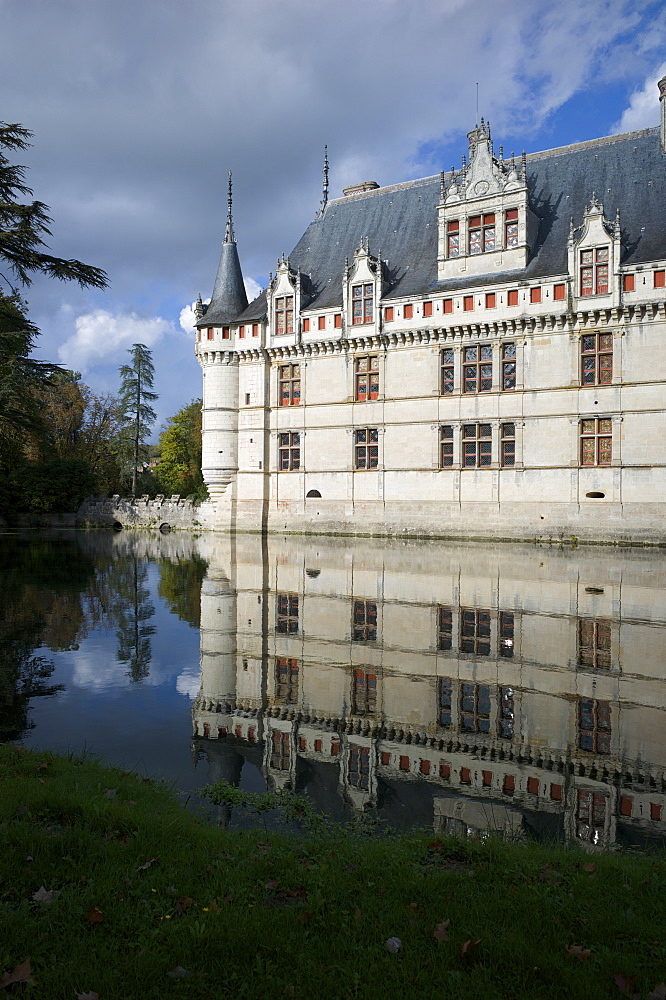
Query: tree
x=134, y=401
x=179, y=468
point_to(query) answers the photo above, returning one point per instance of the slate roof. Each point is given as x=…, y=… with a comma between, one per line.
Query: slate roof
x=400, y=221
x=229, y=298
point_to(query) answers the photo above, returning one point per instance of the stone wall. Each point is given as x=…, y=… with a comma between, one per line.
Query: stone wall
x=130, y=512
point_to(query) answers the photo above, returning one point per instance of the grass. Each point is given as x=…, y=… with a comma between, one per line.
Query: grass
x=144, y=900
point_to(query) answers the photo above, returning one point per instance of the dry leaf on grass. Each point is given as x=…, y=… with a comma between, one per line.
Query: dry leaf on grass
x=577, y=951
x=94, y=916
x=441, y=931
x=21, y=974
x=468, y=947
x=87, y=996
x=146, y=864
x=45, y=896
x=179, y=973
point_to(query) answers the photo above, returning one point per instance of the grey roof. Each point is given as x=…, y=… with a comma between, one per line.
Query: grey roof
x=229, y=298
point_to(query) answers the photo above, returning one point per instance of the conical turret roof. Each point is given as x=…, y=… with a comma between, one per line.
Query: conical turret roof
x=229, y=297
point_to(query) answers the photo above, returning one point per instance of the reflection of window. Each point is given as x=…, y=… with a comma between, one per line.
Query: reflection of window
x=287, y=613
x=594, y=643
x=445, y=446
x=507, y=445
x=366, y=448
x=475, y=631
x=284, y=314
x=506, y=626
x=444, y=628
x=596, y=441
x=361, y=304
x=359, y=766
x=508, y=367
x=482, y=233
x=364, y=700
x=506, y=713
x=475, y=708
x=596, y=359
x=290, y=385
x=590, y=816
x=364, y=625
x=280, y=751
x=478, y=368
x=477, y=445
x=444, y=697
x=447, y=371
x=289, y=457
x=594, y=725
x=594, y=271
x=367, y=378
x=286, y=679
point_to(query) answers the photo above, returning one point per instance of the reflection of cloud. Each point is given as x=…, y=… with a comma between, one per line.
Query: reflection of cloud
x=98, y=673
x=188, y=682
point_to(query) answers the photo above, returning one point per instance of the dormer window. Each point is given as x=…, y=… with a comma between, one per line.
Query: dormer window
x=362, y=304
x=453, y=238
x=284, y=314
x=594, y=271
x=482, y=233
x=511, y=228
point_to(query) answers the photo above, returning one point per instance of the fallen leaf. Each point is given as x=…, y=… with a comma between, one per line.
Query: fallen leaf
x=213, y=907
x=305, y=916
x=42, y=767
x=469, y=946
x=183, y=905
x=94, y=916
x=626, y=986
x=273, y=884
x=441, y=932
x=179, y=973
x=45, y=895
x=412, y=907
x=548, y=874
x=577, y=951
x=591, y=867
x=229, y=898
x=146, y=864
x=21, y=974
x=87, y=996
x=658, y=993
x=110, y=793
x=393, y=945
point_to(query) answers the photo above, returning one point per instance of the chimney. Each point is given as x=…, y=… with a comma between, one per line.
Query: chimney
x=662, y=101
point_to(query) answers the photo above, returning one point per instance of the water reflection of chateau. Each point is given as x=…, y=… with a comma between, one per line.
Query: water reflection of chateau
x=468, y=688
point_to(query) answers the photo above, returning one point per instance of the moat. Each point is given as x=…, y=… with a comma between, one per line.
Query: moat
x=464, y=688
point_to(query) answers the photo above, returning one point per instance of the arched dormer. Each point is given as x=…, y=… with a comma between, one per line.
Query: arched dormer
x=594, y=251
x=484, y=219
x=363, y=285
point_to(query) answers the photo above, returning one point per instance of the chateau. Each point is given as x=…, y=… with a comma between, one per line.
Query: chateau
x=480, y=353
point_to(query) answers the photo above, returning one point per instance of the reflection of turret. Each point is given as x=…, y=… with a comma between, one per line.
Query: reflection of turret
x=213, y=708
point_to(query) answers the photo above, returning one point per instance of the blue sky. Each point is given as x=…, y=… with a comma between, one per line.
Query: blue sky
x=140, y=109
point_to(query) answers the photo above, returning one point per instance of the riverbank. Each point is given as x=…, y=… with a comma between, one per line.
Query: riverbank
x=111, y=889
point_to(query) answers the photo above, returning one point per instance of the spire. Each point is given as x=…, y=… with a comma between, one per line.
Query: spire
x=324, y=197
x=229, y=235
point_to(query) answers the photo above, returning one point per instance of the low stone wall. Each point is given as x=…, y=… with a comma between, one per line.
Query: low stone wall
x=138, y=512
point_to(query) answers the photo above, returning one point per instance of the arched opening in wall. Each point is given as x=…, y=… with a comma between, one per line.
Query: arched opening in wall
x=117, y=526
x=312, y=495
x=595, y=495
x=165, y=528
x=313, y=573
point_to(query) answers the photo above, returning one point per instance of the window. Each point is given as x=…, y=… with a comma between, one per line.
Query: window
x=364, y=695
x=367, y=378
x=280, y=751
x=444, y=627
x=594, y=725
x=508, y=367
x=535, y=294
x=511, y=228
x=408, y=311
x=596, y=441
x=427, y=309
x=286, y=679
x=359, y=766
x=468, y=303
x=321, y=323
x=594, y=643
x=478, y=368
x=284, y=315
x=445, y=446
x=506, y=713
x=241, y=332
x=475, y=631
x=594, y=271
x=388, y=314
x=447, y=371
x=512, y=297
x=210, y=333
x=506, y=627
x=629, y=283
x=289, y=458
x=491, y=300
x=290, y=385
x=447, y=305
x=476, y=445
x=444, y=698
x=255, y=329
x=306, y=326
x=507, y=445
x=590, y=816
x=366, y=448
x=481, y=230
x=453, y=238
x=364, y=624
x=596, y=359
x=559, y=292
x=475, y=708
x=337, y=321
x=287, y=613
x=361, y=304
x=660, y=279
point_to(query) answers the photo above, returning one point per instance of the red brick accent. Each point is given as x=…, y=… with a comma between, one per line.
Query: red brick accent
x=335, y=748
x=318, y=746
x=626, y=805
x=556, y=793
x=404, y=763
x=445, y=771
x=533, y=786
x=465, y=776
x=559, y=292
x=487, y=778
x=302, y=743
x=629, y=282
x=509, y=785
x=424, y=767
x=655, y=811
x=386, y=757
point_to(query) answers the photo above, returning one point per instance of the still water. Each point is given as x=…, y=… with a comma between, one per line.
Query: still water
x=461, y=687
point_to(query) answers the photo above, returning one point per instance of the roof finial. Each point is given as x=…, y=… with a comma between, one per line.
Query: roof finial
x=324, y=197
x=229, y=235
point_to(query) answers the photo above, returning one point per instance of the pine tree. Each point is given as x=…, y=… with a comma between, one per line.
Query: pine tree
x=135, y=397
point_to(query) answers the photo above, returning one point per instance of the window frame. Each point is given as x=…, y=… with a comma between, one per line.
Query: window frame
x=287, y=672
x=289, y=451
x=287, y=607
x=508, y=354
x=289, y=385
x=363, y=295
x=364, y=620
x=475, y=447
x=591, y=272
x=364, y=691
x=475, y=631
x=366, y=449
x=595, y=349
x=446, y=442
x=475, y=379
x=594, y=643
x=284, y=309
x=474, y=709
x=447, y=371
x=602, y=439
x=508, y=444
x=366, y=375
x=594, y=726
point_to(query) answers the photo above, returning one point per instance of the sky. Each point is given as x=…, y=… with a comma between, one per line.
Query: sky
x=139, y=110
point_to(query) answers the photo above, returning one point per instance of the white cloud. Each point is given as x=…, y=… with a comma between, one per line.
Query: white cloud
x=189, y=682
x=99, y=674
x=252, y=288
x=643, y=110
x=187, y=318
x=101, y=336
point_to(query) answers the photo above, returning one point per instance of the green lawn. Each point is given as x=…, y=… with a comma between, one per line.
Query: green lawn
x=139, y=899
